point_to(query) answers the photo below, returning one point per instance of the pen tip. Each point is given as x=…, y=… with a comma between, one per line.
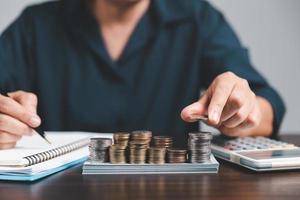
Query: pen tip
x=47, y=140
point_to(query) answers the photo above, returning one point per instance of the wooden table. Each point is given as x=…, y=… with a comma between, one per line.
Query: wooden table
x=232, y=182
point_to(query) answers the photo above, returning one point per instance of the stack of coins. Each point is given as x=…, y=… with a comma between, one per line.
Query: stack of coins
x=176, y=155
x=98, y=149
x=138, y=146
x=199, y=147
x=156, y=155
x=121, y=138
x=117, y=152
x=162, y=141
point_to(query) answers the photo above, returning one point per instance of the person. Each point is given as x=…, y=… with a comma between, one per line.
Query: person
x=112, y=65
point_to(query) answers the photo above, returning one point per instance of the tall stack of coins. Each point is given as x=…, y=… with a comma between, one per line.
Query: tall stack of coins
x=176, y=155
x=121, y=138
x=156, y=155
x=138, y=145
x=98, y=149
x=162, y=141
x=117, y=151
x=199, y=147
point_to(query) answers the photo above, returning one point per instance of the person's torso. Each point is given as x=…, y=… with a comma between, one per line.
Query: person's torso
x=80, y=88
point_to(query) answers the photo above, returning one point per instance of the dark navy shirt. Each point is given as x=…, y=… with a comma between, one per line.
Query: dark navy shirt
x=55, y=50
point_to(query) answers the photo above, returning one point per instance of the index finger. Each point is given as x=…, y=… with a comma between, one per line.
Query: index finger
x=196, y=110
x=12, y=108
x=219, y=97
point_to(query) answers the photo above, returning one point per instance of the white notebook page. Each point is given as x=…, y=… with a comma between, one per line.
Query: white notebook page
x=29, y=145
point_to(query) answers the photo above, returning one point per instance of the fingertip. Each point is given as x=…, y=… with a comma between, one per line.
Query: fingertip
x=214, y=117
x=35, y=121
x=189, y=114
x=185, y=115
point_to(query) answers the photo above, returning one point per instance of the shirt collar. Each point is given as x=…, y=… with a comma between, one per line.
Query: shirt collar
x=161, y=12
x=166, y=11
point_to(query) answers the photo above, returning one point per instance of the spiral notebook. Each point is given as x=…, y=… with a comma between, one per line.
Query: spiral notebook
x=33, y=158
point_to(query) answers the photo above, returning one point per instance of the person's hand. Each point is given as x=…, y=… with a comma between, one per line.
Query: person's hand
x=230, y=105
x=17, y=117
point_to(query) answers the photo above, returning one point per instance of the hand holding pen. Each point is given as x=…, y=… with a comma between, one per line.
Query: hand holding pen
x=18, y=117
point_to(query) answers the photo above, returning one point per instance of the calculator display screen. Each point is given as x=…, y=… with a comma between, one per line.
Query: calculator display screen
x=272, y=154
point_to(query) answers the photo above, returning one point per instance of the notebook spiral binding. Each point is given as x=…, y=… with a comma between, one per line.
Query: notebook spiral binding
x=52, y=153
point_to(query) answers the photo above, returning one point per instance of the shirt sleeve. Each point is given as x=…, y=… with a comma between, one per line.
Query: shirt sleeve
x=16, y=56
x=223, y=52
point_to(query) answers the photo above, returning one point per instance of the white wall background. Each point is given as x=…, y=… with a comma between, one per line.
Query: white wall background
x=269, y=28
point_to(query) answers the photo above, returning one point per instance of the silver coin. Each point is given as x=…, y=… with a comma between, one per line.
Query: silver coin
x=199, y=146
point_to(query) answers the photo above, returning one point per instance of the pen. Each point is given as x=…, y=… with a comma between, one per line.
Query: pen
x=42, y=134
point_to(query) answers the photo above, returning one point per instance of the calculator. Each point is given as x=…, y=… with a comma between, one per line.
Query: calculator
x=257, y=153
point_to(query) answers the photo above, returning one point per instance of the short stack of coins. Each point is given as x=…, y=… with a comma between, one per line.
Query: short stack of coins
x=176, y=155
x=138, y=145
x=117, y=151
x=162, y=141
x=117, y=154
x=156, y=155
x=98, y=149
x=199, y=146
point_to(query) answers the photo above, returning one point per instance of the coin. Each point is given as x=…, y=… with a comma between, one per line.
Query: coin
x=100, y=143
x=156, y=155
x=176, y=155
x=162, y=141
x=117, y=154
x=98, y=149
x=121, y=138
x=138, y=145
x=199, y=147
x=117, y=151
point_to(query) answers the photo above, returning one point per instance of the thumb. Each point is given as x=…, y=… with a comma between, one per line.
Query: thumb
x=195, y=110
x=28, y=100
